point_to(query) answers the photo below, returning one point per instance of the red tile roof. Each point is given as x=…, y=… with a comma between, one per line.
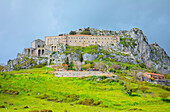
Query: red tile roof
x=155, y=74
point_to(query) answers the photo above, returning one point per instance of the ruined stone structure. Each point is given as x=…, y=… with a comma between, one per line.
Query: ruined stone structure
x=40, y=48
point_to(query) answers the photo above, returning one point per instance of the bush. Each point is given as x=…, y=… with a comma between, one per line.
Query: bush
x=87, y=102
x=142, y=65
x=90, y=102
x=11, y=92
x=85, y=33
x=43, y=96
x=2, y=106
x=71, y=97
x=129, y=92
x=72, y=33
x=86, y=66
x=163, y=95
x=45, y=110
x=34, y=111
x=104, y=106
x=143, y=88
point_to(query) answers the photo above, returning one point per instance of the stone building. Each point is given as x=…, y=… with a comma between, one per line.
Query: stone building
x=80, y=40
x=37, y=48
x=42, y=49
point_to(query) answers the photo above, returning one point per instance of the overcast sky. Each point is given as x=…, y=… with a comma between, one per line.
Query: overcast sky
x=22, y=21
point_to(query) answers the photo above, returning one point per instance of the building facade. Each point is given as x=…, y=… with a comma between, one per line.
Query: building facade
x=37, y=48
x=80, y=40
x=42, y=48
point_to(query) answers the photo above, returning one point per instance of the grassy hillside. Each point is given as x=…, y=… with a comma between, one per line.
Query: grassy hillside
x=40, y=90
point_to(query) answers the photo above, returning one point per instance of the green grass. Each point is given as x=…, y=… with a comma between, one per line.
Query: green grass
x=38, y=82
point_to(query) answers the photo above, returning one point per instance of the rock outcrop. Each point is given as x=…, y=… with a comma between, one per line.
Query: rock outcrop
x=132, y=48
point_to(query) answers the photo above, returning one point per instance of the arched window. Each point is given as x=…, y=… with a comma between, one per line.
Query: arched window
x=42, y=51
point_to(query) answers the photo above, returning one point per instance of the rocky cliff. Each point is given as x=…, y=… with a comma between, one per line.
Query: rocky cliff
x=132, y=48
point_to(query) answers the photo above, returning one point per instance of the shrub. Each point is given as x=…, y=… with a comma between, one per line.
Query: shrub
x=97, y=103
x=71, y=97
x=44, y=96
x=85, y=33
x=11, y=92
x=163, y=95
x=129, y=92
x=2, y=106
x=86, y=66
x=142, y=65
x=45, y=110
x=90, y=102
x=87, y=102
x=104, y=106
x=34, y=111
x=72, y=33
x=121, y=83
x=143, y=89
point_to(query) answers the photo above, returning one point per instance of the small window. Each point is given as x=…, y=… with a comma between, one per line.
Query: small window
x=38, y=45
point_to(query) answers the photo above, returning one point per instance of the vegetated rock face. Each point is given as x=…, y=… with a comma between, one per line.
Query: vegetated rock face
x=25, y=62
x=132, y=48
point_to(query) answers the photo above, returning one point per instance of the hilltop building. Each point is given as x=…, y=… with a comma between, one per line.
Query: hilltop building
x=44, y=48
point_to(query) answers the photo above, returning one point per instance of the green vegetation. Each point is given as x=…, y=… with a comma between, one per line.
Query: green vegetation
x=37, y=90
x=89, y=49
x=126, y=42
x=85, y=33
x=72, y=33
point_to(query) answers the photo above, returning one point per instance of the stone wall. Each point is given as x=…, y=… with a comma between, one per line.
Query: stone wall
x=37, y=44
x=79, y=73
x=81, y=40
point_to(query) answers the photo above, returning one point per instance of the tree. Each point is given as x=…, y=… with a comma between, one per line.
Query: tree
x=67, y=61
x=1, y=67
x=72, y=33
x=81, y=58
x=70, y=66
